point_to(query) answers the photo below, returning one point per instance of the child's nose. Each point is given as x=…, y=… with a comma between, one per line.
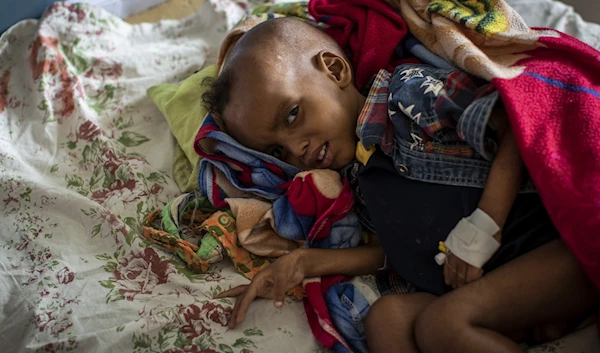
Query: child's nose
x=298, y=147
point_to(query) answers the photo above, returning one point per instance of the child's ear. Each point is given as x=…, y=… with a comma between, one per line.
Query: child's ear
x=336, y=67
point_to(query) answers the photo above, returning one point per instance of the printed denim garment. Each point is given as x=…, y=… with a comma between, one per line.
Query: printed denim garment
x=433, y=122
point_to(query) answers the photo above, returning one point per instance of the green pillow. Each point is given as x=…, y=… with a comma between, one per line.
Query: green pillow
x=181, y=105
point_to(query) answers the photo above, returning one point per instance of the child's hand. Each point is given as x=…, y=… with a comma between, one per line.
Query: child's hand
x=457, y=273
x=272, y=282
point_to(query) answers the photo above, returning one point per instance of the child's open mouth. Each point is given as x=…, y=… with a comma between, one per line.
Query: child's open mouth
x=322, y=153
x=323, y=159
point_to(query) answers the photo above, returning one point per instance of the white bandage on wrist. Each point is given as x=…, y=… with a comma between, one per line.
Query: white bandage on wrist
x=472, y=240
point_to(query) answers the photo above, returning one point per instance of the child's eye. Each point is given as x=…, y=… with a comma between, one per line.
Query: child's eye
x=291, y=116
x=277, y=152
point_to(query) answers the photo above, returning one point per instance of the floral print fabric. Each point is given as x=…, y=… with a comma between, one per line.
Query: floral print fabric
x=84, y=157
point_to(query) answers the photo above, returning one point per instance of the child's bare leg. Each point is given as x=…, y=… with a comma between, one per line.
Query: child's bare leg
x=390, y=323
x=541, y=286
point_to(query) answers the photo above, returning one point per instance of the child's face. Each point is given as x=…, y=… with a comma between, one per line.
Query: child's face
x=303, y=116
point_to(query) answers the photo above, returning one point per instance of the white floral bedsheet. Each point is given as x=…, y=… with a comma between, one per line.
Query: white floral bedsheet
x=84, y=155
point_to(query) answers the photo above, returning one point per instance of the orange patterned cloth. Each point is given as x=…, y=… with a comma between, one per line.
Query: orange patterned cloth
x=220, y=225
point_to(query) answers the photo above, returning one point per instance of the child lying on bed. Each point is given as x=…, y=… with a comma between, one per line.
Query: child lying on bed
x=425, y=138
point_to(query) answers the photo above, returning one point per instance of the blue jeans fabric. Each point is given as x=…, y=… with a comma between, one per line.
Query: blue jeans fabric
x=440, y=119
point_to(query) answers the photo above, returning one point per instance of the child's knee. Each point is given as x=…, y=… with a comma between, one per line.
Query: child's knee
x=378, y=328
x=380, y=314
x=396, y=313
x=439, y=325
x=391, y=320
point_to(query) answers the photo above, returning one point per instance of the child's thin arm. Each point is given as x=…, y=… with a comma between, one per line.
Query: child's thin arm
x=351, y=261
x=497, y=199
x=505, y=175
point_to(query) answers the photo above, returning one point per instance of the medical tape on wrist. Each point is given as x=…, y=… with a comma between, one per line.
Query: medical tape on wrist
x=472, y=239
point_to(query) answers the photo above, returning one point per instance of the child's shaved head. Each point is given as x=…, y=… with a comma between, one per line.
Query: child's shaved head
x=286, y=40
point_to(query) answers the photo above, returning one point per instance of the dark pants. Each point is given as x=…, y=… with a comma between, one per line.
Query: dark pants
x=411, y=217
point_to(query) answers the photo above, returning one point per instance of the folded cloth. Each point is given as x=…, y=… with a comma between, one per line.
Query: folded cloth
x=318, y=314
x=343, y=298
x=181, y=105
x=219, y=228
x=317, y=208
x=416, y=48
x=247, y=170
x=256, y=230
x=368, y=31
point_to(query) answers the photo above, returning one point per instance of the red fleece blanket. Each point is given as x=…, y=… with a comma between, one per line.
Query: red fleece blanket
x=554, y=109
x=369, y=32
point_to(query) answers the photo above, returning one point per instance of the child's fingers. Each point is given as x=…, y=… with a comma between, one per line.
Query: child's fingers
x=450, y=271
x=453, y=273
x=457, y=271
x=234, y=313
x=280, y=287
x=241, y=305
x=446, y=273
x=461, y=273
x=233, y=317
x=233, y=292
x=245, y=302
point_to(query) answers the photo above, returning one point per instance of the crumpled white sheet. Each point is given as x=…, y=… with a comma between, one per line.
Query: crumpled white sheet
x=84, y=155
x=555, y=14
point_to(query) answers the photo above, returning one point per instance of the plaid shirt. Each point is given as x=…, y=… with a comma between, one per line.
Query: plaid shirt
x=429, y=110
